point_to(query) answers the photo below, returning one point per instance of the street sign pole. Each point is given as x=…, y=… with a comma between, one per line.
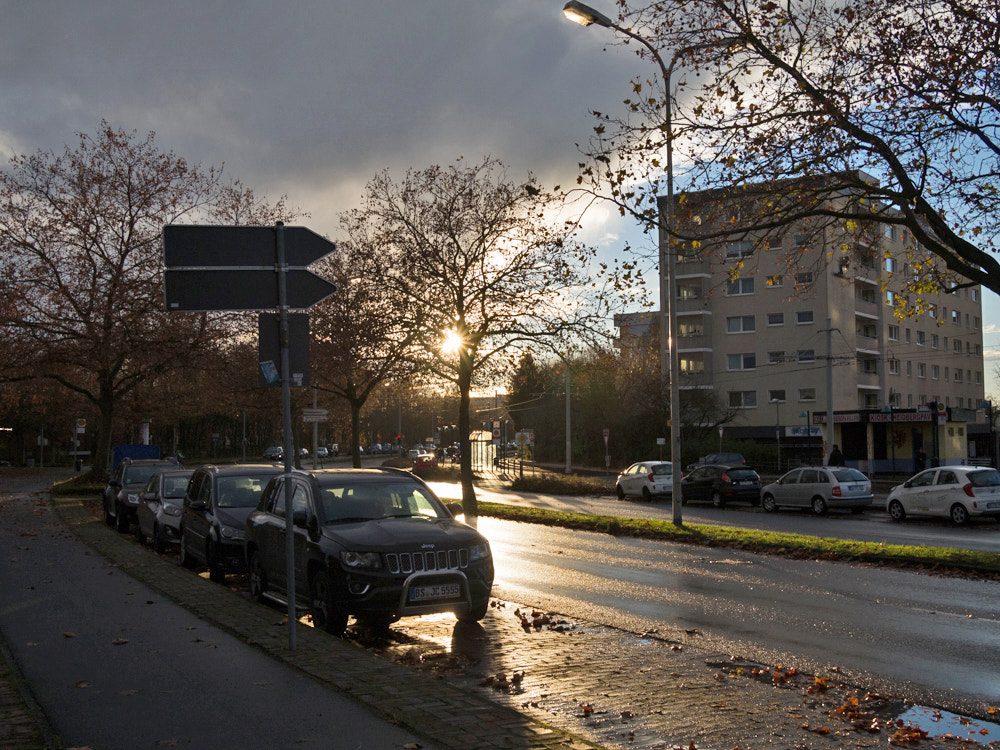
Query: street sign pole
x=286, y=407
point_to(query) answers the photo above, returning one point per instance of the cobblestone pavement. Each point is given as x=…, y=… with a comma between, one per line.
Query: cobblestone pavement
x=529, y=679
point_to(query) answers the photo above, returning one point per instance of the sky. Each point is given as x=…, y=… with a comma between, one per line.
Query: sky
x=312, y=99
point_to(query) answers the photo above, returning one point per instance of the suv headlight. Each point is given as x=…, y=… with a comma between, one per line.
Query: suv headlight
x=233, y=535
x=366, y=560
x=479, y=552
x=132, y=498
x=171, y=510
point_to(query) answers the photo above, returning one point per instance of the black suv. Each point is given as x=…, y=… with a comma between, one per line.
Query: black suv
x=216, y=505
x=374, y=543
x=121, y=496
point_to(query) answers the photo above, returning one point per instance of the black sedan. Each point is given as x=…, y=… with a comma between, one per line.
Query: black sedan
x=721, y=484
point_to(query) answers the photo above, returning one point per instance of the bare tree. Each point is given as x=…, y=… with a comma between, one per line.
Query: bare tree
x=475, y=269
x=81, y=269
x=891, y=108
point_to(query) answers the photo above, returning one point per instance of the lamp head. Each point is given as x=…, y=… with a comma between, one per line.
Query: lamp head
x=585, y=15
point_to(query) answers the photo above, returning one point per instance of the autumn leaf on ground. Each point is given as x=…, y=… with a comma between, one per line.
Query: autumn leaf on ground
x=82, y=684
x=68, y=634
x=119, y=641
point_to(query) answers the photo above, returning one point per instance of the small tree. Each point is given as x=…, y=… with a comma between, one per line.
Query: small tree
x=475, y=268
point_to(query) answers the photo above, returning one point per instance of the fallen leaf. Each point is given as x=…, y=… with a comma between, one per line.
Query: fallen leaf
x=82, y=684
x=67, y=634
x=119, y=641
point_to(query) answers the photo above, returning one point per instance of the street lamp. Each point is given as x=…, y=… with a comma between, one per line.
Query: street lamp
x=892, y=427
x=669, y=360
x=777, y=427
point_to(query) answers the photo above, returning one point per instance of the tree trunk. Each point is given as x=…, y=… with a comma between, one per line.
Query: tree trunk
x=469, y=504
x=356, y=433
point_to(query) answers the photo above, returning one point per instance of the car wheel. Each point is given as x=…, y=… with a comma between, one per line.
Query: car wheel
x=620, y=492
x=959, y=514
x=717, y=500
x=215, y=571
x=325, y=613
x=896, y=511
x=646, y=496
x=121, y=521
x=185, y=553
x=478, y=611
x=109, y=519
x=819, y=506
x=258, y=578
x=139, y=536
x=768, y=503
x=159, y=545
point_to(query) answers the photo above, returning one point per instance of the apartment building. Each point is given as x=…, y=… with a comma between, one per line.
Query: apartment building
x=785, y=326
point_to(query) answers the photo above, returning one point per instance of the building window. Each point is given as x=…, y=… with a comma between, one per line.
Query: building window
x=776, y=396
x=958, y=374
x=907, y=335
x=921, y=340
x=807, y=394
x=934, y=341
x=776, y=319
x=775, y=358
x=921, y=370
x=956, y=317
x=957, y=346
x=776, y=280
x=909, y=368
x=807, y=355
x=741, y=324
x=741, y=362
x=745, y=399
x=689, y=328
x=894, y=367
x=691, y=366
x=739, y=287
x=868, y=366
x=889, y=230
x=866, y=294
x=689, y=291
x=947, y=371
x=739, y=249
x=803, y=278
x=975, y=323
x=890, y=265
x=979, y=377
x=893, y=333
x=890, y=299
x=804, y=316
x=975, y=295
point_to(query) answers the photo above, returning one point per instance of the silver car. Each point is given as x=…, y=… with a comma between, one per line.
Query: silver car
x=159, y=510
x=955, y=492
x=645, y=479
x=821, y=488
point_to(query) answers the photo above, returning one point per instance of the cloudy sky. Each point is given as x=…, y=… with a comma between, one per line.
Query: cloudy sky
x=311, y=99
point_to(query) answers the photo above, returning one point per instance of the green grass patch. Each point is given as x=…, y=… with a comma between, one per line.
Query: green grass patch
x=561, y=484
x=944, y=560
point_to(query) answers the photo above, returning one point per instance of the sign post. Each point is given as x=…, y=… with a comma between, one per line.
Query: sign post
x=209, y=268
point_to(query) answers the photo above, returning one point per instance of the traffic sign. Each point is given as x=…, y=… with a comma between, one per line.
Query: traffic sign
x=207, y=289
x=204, y=246
x=315, y=415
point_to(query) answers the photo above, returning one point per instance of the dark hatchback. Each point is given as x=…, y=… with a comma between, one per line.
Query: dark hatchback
x=216, y=505
x=721, y=484
x=373, y=543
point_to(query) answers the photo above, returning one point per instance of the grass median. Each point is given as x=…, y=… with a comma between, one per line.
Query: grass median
x=938, y=560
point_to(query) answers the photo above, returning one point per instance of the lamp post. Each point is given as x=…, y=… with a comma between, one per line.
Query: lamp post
x=669, y=360
x=888, y=408
x=777, y=427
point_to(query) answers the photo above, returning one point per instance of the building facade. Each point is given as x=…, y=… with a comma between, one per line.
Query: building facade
x=785, y=328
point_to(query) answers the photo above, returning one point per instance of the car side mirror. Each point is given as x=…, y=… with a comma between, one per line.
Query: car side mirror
x=456, y=509
x=197, y=505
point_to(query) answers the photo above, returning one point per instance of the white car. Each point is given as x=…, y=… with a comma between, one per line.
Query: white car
x=645, y=479
x=821, y=488
x=956, y=492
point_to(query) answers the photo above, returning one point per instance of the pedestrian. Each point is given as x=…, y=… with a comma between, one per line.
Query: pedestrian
x=836, y=457
x=921, y=462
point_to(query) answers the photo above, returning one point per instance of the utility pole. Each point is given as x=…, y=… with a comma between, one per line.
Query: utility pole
x=829, y=388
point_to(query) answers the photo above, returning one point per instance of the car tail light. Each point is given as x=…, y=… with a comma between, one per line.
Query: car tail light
x=836, y=490
x=969, y=490
x=724, y=477
x=651, y=477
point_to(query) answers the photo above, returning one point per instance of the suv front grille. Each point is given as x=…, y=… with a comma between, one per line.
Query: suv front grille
x=416, y=562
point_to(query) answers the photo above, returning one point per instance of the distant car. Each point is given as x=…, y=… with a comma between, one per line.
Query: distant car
x=158, y=516
x=721, y=484
x=822, y=488
x=373, y=543
x=424, y=461
x=274, y=453
x=729, y=459
x=322, y=452
x=645, y=479
x=216, y=504
x=957, y=492
x=121, y=496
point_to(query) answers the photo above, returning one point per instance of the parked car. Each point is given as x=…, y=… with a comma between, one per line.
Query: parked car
x=822, y=488
x=274, y=453
x=373, y=543
x=721, y=484
x=121, y=496
x=956, y=492
x=322, y=452
x=645, y=479
x=729, y=459
x=216, y=504
x=424, y=461
x=158, y=516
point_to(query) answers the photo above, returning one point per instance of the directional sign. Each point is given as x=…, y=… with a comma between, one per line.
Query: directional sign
x=315, y=415
x=201, y=246
x=205, y=289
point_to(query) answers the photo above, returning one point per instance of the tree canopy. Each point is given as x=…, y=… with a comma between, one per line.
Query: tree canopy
x=893, y=105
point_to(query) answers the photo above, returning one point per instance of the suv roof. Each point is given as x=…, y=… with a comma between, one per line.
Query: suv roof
x=236, y=469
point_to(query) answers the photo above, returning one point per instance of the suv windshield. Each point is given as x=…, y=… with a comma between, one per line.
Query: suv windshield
x=139, y=474
x=241, y=492
x=366, y=501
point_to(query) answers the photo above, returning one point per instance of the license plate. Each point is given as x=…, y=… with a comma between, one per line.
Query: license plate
x=991, y=506
x=440, y=591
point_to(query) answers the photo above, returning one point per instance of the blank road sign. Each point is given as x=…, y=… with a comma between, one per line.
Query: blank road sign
x=207, y=289
x=193, y=245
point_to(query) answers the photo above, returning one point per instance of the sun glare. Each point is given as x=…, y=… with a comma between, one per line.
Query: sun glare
x=452, y=342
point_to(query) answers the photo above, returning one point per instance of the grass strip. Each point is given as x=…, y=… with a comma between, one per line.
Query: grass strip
x=941, y=560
